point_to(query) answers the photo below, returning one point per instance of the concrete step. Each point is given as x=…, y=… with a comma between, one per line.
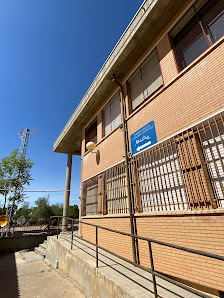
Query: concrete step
x=40, y=251
x=43, y=245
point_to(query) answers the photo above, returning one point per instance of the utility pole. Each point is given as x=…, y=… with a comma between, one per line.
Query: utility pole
x=24, y=135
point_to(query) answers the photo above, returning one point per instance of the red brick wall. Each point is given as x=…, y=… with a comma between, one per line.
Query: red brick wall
x=111, y=152
x=111, y=241
x=194, y=94
x=202, y=232
x=199, y=230
x=167, y=60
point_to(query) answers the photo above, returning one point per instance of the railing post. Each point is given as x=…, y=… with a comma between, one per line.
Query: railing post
x=97, y=247
x=72, y=234
x=152, y=268
x=57, y=227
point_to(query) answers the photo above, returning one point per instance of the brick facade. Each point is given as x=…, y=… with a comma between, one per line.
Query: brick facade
x=201, y=95
x=186, y=98
x=198, y=230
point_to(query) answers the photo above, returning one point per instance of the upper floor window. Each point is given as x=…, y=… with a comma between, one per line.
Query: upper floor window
x=145, y=80
x=91, y=132
x=112, y=114
x=200, y=27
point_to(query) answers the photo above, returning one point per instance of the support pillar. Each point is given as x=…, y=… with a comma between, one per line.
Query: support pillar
x=67, y=192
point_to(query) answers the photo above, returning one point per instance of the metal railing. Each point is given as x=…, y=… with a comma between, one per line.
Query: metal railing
x=150, y=241
x=15, y=230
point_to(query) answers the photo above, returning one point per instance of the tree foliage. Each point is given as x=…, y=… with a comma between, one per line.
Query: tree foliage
x=42, y=211
x=25, y=211
x=73, y=211
x=14, y=175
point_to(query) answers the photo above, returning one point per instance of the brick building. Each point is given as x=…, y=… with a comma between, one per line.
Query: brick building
x=169, y=62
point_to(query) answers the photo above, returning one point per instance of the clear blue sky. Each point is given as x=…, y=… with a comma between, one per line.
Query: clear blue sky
x=50, y=52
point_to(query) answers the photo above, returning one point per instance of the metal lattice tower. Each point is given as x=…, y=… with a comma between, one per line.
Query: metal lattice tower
x=24, y=135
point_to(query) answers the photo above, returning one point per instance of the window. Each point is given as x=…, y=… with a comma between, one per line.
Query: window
x=90, y=197
x=205, y=25
x=145, y=81
x=91, y=132
x=112, y=114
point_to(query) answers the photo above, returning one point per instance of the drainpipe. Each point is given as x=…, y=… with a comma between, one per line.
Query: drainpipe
x=126, y=141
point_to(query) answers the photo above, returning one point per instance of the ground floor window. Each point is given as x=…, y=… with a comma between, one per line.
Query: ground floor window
x=185, y=172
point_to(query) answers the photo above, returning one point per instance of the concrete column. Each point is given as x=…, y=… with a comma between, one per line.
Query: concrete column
x=67, y=191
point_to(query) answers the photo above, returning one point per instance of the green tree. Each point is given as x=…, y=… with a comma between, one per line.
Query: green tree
x=42, y=211
x=74, y=211
x=25, y=211
x=57, y=209
x=14, y=175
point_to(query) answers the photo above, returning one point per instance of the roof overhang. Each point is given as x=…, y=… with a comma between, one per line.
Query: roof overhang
x=149, y=21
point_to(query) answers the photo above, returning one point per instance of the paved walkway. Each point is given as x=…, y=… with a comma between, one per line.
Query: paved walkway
x=26, y=275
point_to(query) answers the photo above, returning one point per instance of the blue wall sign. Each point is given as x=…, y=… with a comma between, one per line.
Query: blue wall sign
x=143, y=138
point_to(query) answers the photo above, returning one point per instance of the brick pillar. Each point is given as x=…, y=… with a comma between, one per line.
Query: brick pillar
x=99, y=126
x=167, y=59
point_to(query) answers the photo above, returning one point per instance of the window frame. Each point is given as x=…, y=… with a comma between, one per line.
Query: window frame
x=108, y=105
x=88, y=127
x=134, y=73
x=196, y=7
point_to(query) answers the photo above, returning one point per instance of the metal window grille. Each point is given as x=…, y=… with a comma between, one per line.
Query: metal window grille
x=92, y=197
x=203, y=26
x=185, y=172
x=115, y=186
x=159, y=180
x=211, y=135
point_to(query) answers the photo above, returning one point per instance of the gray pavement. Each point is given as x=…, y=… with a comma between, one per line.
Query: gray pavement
x=25, y=275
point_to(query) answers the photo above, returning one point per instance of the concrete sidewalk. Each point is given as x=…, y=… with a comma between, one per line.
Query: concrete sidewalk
x=26, y=275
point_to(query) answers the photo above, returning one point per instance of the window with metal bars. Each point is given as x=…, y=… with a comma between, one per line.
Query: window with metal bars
x=90, y=197
x=185, y=172
x=199, y=28
x=211, y=135
x=157, y=175
x=115, y=190
x=145, y=80
x=112, y=114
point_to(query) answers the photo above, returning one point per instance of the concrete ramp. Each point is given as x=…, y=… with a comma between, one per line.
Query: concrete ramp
x=113, y=278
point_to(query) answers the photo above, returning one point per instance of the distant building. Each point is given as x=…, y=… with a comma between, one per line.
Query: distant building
x=170, y=63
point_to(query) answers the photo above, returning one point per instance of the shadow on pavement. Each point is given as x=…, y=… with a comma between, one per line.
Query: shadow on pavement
x=9, y=287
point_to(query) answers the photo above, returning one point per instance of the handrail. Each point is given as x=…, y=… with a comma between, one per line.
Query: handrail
x=14, y=230
x=199, y=252
x=149, y=240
